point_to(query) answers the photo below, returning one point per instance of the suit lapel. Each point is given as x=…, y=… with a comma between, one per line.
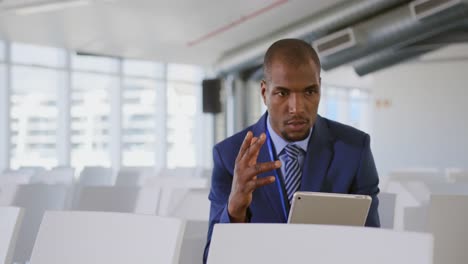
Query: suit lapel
x=318, y=157
x=271, y=190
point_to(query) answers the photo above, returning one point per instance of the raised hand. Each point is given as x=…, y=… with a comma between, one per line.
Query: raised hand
x=245, y=179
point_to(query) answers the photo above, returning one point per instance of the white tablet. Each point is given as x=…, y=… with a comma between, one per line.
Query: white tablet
x=329, y=209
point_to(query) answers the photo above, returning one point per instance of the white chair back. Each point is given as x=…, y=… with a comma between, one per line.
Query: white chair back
x=10, y=221
x=193, y=244
x=96, y=176
x=190, y=204
x=118, y=199
x=16, y=177
x=387, y=203
x=457, y=175
x=8, y=193
x=96, y=237
x=288, y=243
x=178, y=172
x=448, y=217
x=134, y=176
x=60, y=175
x=35, y=199
x=415, y=218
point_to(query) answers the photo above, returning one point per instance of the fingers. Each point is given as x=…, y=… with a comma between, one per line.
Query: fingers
x=252, y=152
x=264, y=181
x=245, y=145
x=264, y=167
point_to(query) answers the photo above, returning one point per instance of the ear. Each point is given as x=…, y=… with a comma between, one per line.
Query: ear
x=264, y=88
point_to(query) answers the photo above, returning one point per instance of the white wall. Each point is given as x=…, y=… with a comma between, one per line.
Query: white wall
x=426, y=121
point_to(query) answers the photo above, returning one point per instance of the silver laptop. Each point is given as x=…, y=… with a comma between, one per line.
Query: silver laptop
x=329, y=209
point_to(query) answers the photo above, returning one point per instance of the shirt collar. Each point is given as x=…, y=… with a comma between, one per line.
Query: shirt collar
x=280, y=143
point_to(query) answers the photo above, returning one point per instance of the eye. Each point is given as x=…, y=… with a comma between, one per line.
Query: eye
x=310, y=91
x=282, y=93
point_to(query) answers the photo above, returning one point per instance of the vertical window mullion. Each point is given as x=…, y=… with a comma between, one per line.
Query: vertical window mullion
x=5, y=109
x=64, y=113
x=161, y=124
x=116, y=121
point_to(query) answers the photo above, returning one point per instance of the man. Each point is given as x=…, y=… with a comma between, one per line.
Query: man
x=290, y=148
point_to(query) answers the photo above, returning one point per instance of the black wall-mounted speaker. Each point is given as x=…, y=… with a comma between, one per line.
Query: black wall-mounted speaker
x=211, y=95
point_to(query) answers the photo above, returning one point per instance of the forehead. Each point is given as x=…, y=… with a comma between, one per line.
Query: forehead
x=294, y=75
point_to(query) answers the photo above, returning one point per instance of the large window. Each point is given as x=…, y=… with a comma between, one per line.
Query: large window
x=182, y=108
x=90, y=119
x=70, y=109
x=139, y=117
x=183, y=87
x=37, y=55
x=142, y=113
x=346, y=105
x=34, y=116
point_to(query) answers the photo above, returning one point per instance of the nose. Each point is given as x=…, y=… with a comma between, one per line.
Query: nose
x=296, y=103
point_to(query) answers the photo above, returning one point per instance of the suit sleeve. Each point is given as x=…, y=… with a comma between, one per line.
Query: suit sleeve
x=367, y=181
x=221, y=181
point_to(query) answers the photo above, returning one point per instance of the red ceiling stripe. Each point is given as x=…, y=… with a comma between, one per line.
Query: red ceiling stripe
x=236, y=22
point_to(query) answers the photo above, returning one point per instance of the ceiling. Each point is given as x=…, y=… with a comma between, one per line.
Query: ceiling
x=183, y=31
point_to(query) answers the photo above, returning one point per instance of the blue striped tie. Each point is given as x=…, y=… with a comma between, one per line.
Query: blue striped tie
x=293, y=171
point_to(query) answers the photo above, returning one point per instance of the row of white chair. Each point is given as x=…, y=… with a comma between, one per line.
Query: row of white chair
x=38, y=198
x=99, y=176
x=98, y=237
x=10, y=222
x=447, y=218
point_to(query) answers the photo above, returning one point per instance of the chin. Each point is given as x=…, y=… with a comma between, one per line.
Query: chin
x=295, y=136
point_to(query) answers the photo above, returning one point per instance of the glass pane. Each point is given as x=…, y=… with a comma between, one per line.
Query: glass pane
x=358, y=102
x=37, y=55
x=90, y=119
x=182, y=106
x=95, y=63
x=181, y=72
x=34, y=116
x=331, y=103
x=143, y=68
x=2, y=50
x=139, y=122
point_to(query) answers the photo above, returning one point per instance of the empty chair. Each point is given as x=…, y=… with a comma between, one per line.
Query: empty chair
x=35, y=199
x=181, y=182
x=194, y=241
x=174, y=200
x=10, y=221
x=448, y=216
x=288, y=243
x=96, y=176
x=204, y=172
x=16, y=177
x=59, y=175
x=97, y=237
x=457, y=175
x=134, y=176
x=118, y=199
x=412, y=189
x=387, y=203
x=415, y=218
x=190, y=204
x=8, y=193
x=33, y=169
x=416, y=181
x=178, y=172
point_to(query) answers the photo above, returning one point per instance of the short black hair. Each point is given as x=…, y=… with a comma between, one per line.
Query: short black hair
x=291, y=51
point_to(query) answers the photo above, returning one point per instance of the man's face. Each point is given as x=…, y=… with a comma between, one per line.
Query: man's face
x=292, y=96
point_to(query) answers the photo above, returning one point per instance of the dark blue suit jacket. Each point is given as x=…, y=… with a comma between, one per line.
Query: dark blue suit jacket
x=338, y=160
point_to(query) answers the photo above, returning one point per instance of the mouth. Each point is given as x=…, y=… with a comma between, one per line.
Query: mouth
x=297, y=125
